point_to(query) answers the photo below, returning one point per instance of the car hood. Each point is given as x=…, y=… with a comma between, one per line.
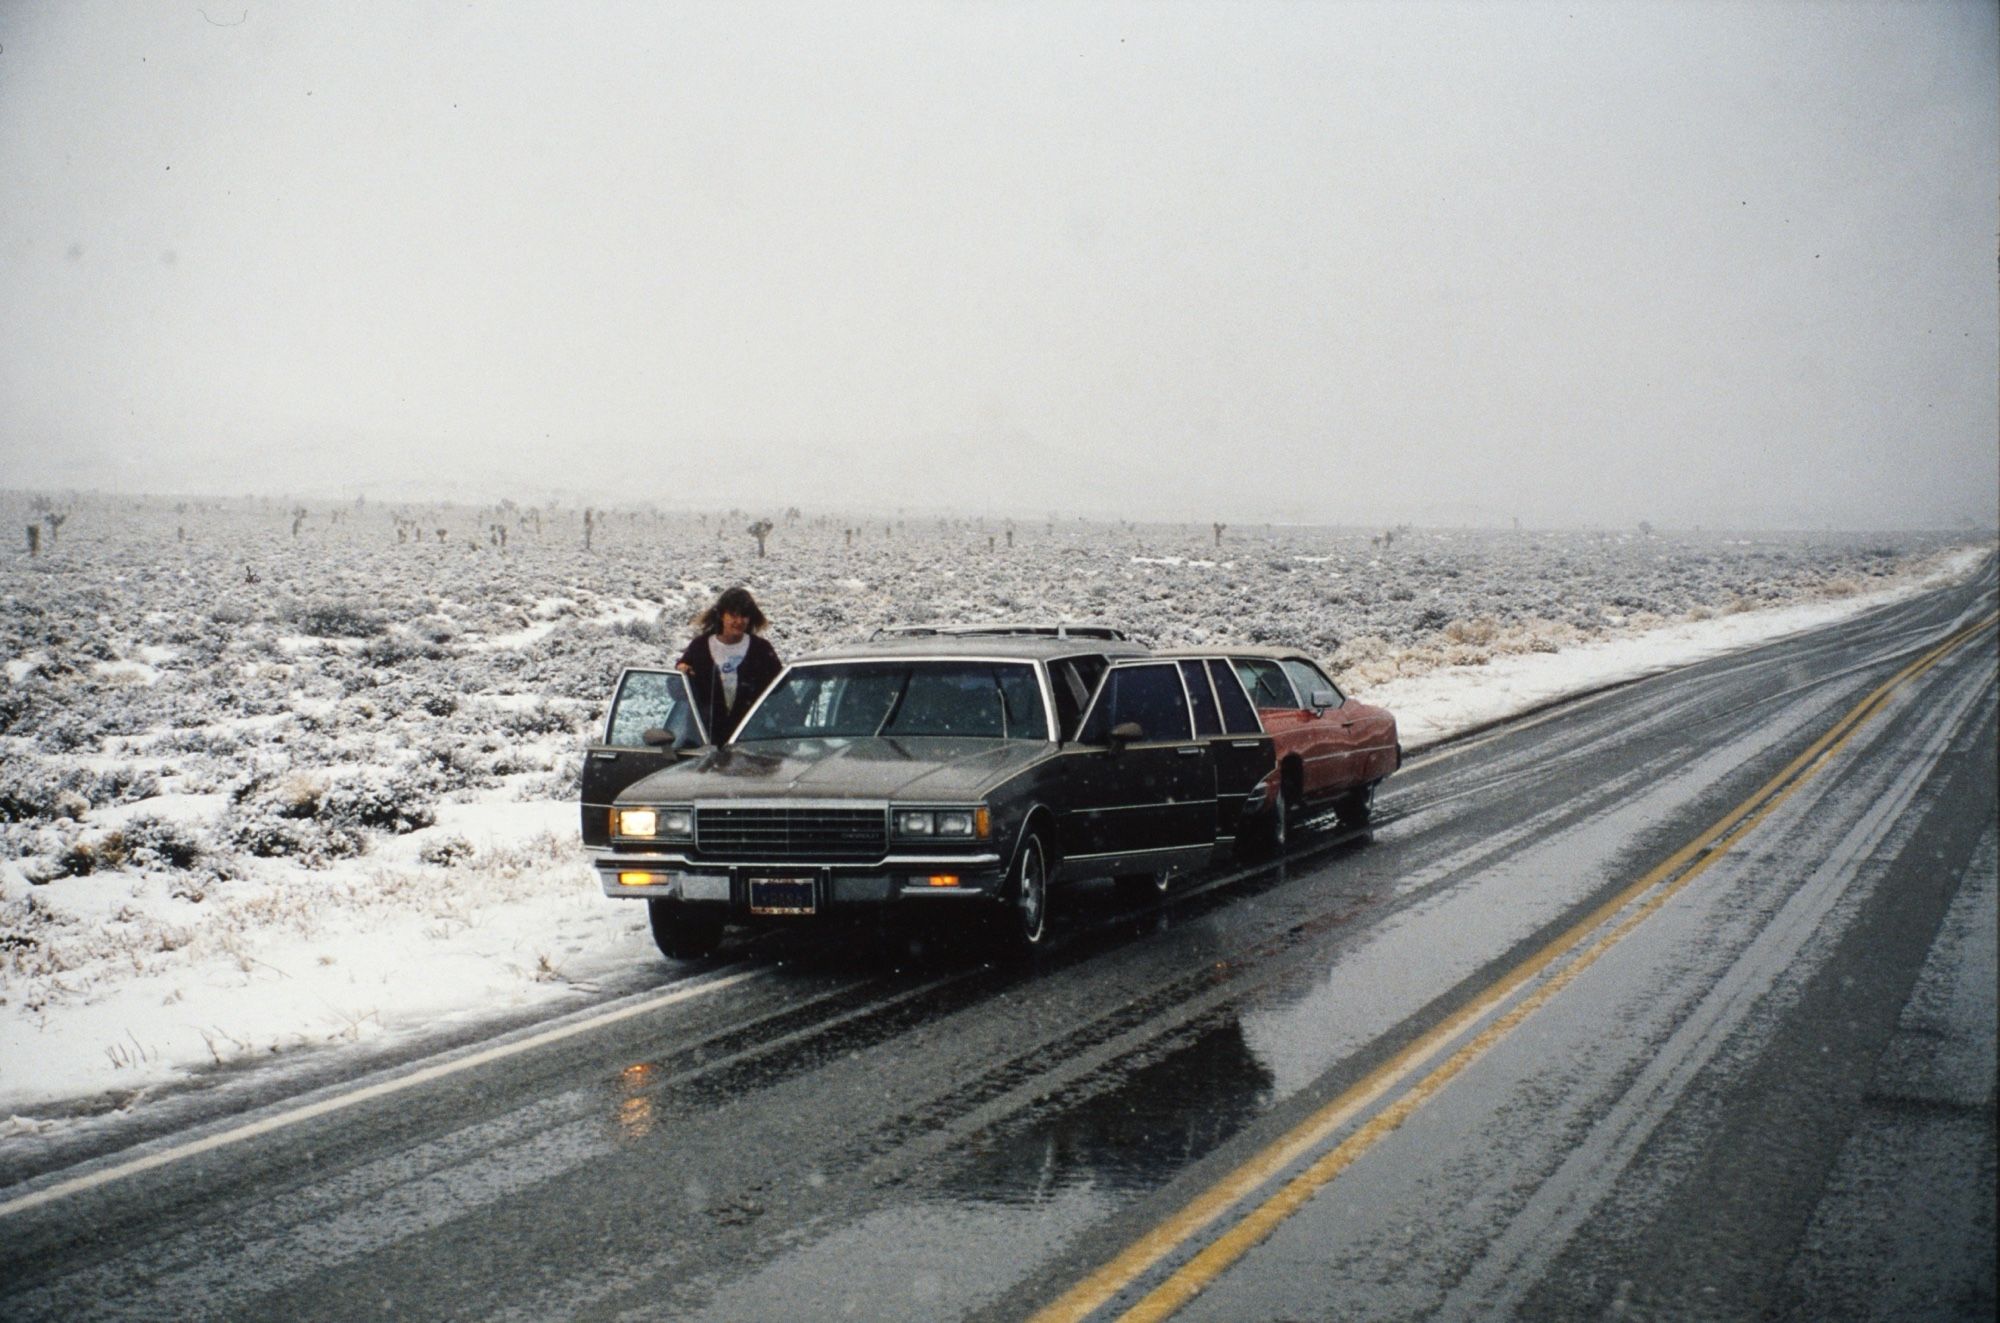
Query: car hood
x=926, y=768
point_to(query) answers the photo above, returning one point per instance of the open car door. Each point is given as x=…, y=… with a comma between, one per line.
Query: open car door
x=646, y=702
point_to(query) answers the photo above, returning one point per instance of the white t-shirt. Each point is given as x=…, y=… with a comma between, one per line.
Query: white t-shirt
x=728, y=657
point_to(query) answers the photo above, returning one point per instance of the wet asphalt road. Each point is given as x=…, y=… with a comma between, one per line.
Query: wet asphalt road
x=1760, y=1087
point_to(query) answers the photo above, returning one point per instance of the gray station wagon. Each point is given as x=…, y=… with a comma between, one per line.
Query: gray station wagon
x=958, y=777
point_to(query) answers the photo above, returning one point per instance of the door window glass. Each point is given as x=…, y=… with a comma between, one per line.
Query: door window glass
x=1238, y=717
x=1266, y=681
x=1150, y=695
x=652, y=700
x=1307, y=678
x=1070, y=681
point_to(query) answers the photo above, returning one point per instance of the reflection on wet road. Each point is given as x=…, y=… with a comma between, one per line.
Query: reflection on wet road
x=860, y=1128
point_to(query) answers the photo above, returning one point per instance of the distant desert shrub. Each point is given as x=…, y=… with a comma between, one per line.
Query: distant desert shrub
x=336, y=619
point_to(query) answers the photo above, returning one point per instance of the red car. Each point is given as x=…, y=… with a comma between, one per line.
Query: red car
x=1332, y=751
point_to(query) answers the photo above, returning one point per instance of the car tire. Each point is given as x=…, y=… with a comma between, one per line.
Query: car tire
x=1143, y=886
x=1023, y=922
x=1270, y=832
x=683, y=934
x=1356, y=807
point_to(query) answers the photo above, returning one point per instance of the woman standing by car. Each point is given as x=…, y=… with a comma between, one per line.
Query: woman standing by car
x=729, y=663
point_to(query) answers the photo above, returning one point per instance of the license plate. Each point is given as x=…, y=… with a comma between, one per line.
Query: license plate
x=781, y=895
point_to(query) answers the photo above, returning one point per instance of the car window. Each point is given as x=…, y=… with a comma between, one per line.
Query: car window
x=1238, y=717
x=1150, y=695
x=991, y=700
x=1266, y=681
x=652, y=700
x=1071, y=679
x=1307, y=677
x=1206, y=721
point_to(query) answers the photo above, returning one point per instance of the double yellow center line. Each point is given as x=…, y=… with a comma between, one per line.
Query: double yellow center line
x=1579, y=947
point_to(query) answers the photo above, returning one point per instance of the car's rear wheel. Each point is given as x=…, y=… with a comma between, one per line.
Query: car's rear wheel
x=682, y=933
x=1024, y=920
x=1356, y=807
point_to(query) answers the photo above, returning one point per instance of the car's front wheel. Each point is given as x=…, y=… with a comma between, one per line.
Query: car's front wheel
x=683, y=933
x=1024, y=921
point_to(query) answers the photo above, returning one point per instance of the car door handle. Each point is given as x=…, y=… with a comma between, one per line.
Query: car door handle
x=1195, y=752
x=604, y=755
x=1246, y=744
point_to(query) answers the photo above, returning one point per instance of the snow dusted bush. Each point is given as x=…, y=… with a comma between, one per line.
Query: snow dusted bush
x=334, y=618
x=37, y=789
x=400, y=801
x=149, y=842
x=446, y=851
x=279, y=817
x=315, y=819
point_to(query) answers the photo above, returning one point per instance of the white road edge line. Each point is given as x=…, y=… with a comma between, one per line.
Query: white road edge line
x=370, y=1092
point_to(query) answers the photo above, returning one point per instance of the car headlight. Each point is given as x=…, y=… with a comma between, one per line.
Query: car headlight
x=664, y=824
x=961, y=824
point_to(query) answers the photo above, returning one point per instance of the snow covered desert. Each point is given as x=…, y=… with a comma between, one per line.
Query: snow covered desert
x=278, y=776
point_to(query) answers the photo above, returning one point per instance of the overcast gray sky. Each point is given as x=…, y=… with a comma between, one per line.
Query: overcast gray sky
x=1572, y=263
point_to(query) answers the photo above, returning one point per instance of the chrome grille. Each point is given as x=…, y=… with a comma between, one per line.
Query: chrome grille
x=733, y=832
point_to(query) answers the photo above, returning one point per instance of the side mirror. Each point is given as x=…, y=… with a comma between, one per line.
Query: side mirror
x=1321, y=700
x=658, y=738
x=1126, y=732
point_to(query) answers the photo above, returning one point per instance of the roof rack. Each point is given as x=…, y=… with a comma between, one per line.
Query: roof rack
x=1058, y=629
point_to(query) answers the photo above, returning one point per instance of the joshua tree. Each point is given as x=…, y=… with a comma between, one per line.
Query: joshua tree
x=298, y=518
x=589, y=527
x=760, y=530
x=34, y=539
x=1218, y=527
x=51, y=516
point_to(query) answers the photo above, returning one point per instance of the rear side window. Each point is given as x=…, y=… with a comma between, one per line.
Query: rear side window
x=1238, y=717
x=1306, y=678
x=1266, y=682
x=1149, y=695
x=1206, y=722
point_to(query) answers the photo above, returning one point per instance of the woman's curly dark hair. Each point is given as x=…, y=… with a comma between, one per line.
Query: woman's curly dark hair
x=736, y=601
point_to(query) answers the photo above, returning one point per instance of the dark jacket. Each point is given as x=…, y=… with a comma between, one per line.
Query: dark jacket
x=760, y=667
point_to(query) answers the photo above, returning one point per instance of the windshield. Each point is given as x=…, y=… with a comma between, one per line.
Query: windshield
x=979, y=699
